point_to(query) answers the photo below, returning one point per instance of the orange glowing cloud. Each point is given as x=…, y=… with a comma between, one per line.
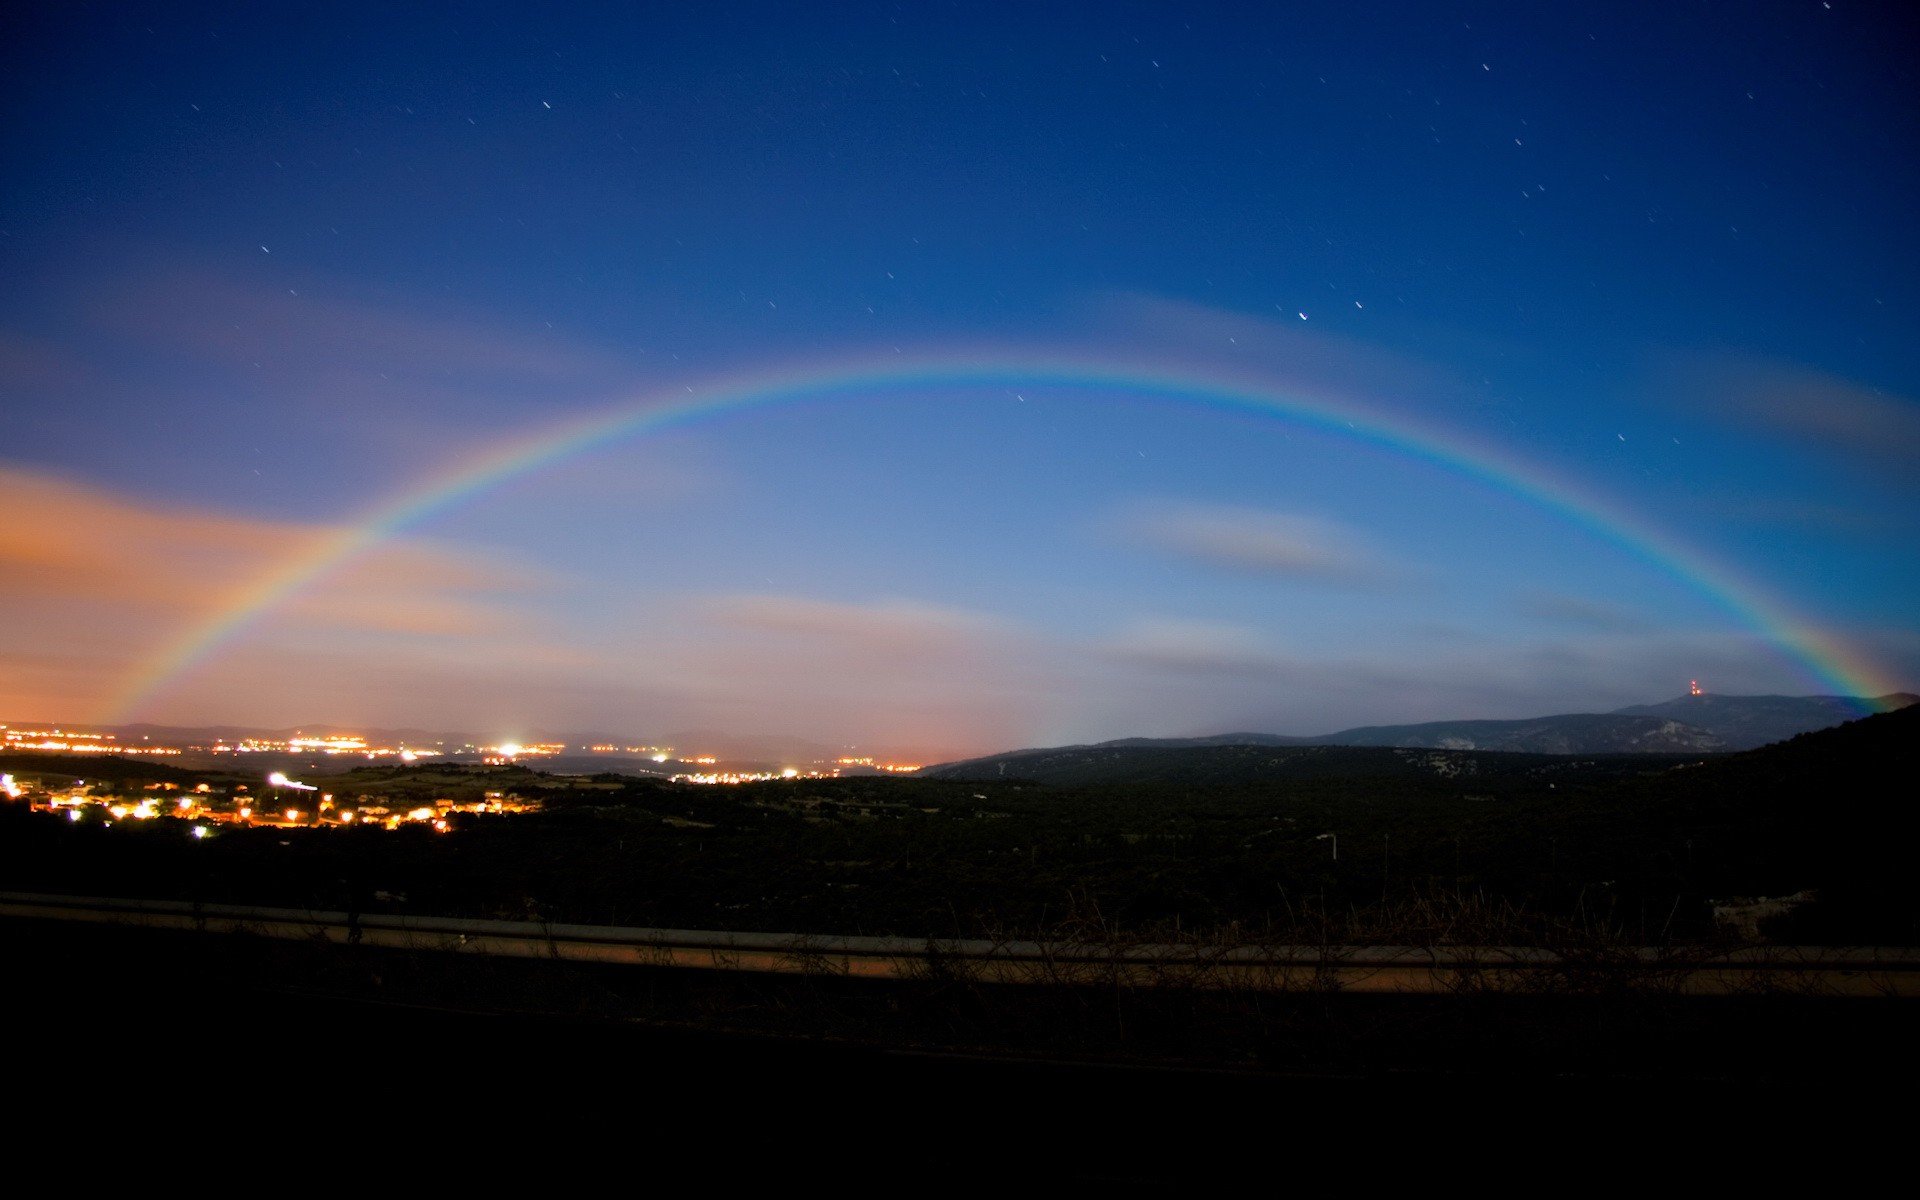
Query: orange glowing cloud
x=90, y=580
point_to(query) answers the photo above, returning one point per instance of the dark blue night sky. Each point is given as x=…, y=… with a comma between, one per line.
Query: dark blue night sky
x=272, y=268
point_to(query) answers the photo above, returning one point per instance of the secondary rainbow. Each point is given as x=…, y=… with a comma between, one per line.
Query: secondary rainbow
x=1826, y=659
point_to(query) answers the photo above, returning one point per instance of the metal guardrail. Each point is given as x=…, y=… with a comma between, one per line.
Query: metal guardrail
x=1839, y=971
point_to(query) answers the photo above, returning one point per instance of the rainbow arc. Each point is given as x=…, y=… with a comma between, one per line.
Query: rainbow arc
x=1826, y=659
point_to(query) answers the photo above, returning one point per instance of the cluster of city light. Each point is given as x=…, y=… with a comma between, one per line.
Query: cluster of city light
x=752, y=776
x=766, y=776
x=341, y=744
x=656, y=753
x=507, y=752
x=331, y=744
x=207, y=806
x=784, y=772
x=70, y=736
x=195, y=806
x=897, y=768
x=74, y=741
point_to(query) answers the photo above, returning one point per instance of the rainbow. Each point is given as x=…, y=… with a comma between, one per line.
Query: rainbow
x=1826, y=659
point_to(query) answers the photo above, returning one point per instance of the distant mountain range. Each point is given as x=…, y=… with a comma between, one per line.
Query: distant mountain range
x=1114, y=765
x=1748, y=722
x=1704, y=724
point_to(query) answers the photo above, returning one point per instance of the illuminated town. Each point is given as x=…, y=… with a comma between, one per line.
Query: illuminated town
x=894, y=768
x=280, y=801
x=61, y=740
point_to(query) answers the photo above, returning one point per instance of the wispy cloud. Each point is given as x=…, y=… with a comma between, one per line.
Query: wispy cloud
x=69, y=543
x=1814, y=408
x=892, y=627
x=1258, y=541
x=99, y=581
x=1580, y=612
x=1192, y=647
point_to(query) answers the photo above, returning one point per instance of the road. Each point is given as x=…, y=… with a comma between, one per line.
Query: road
x=1865, y=972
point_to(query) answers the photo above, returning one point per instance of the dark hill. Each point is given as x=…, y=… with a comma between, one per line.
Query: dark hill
x=1861, y=771
x=1748, y=722
x=1686, y=725
x=1118, y=765
x=1573, y=733
x=1217, y=739
x=1827, y=812
x=115, y=769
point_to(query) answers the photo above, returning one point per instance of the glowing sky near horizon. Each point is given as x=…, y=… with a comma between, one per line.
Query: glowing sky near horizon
x=269, y=271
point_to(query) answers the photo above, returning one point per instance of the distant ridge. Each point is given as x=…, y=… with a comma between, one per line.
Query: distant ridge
x=1706, y=722
x=1703, y=724
x=1570, y=733
x=1109, y=765
x=1748, y=722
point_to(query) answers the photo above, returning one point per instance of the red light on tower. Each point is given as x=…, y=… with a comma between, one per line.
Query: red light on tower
x=1693, y=688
